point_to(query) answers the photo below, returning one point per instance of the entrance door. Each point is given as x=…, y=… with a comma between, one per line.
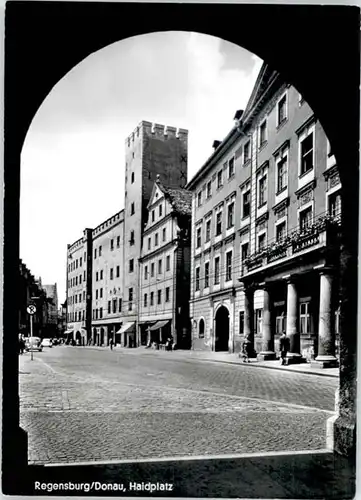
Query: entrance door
x=222, y=329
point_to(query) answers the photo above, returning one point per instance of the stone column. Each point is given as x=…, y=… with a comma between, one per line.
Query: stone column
x=326, y=333
x=292, y=324
x=106, y=336
x=248, y=318
x=93, y=337
x=268, y=351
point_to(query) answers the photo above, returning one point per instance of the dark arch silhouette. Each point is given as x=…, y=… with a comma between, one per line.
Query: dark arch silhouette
x=315, y=48
x=201, y=328
x=221, y=329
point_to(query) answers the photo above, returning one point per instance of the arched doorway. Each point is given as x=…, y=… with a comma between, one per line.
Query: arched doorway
x=222, y=329
x=101, y=336
x=78, y=338
x=201, y=329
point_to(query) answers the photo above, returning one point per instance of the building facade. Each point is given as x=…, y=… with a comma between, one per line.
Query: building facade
x=164, y=269
x=79, y=289
x=266, y=208
x=151, y=150
x=107, y=290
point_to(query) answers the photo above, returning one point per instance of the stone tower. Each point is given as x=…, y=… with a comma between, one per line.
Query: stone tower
x=151, y=150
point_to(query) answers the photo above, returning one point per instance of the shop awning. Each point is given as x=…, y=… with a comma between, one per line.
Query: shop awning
x=126, y=327
x=159, y=324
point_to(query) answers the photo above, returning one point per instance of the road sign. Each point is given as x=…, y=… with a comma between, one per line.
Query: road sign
x=31, y=309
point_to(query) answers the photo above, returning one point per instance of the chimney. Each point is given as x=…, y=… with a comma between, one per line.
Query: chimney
x=238, y=114
x=216, y=144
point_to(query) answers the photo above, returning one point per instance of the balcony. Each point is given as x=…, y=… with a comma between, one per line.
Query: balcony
x=294, y=242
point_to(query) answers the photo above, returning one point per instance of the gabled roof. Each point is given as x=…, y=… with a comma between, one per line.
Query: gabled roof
x=179, y=198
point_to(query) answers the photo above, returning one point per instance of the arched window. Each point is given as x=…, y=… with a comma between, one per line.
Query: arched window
x=201, y=329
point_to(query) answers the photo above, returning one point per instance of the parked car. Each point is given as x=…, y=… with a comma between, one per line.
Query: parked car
x=47, y=343
x=33, y=344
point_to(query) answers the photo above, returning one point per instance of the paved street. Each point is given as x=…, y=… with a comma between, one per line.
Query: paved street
x=84, y=404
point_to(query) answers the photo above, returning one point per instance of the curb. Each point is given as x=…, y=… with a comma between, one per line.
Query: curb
x=238, y=363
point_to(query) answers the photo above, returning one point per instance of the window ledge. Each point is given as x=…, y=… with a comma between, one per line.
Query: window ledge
x=305, y=173
x=247, y=162
x=281, y=124
x=262, y=205
x=263, y=145
x=219, y=188
x=281, y=191
x=231, y=177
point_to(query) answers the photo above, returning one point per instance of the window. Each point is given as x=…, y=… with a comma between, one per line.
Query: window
x=246, y=152
x=305, y=317
x=114, y=306
x=76, y=280
x=79, y=297
x=258, y=320
x=206, y=275
x=153, y=215
x=282, y=173
x=131, y=265
x=201, y=329
x=80, y=261
x=282, y=110
x=96, y=294
x=334, y=204
x=101, y=274
x=167, y=263
x=96, y=276
x=305, y=218
x=306, y=154
x=96, y=313
x=118, y=271
x=95, y=253
x=118, y=239
x=198, y=272
x=167, y=294
x=84, y=257
x=263, y=133
x=208, y=230
x=84, y=277
x=209, y=189
x=149, y=243
x=80, y=279
x=100, y=251
x=109, y=307
x=132, y=178
x=230, y=215
x=159, y=296
x=229, y=266
x=280, y=320
x=156, y=239
x=262, y=190
x=241, y=322
x=152, y=298
x=164, y=234
x=216, y=271
x=111, y=244
x=246, y=203
x=146, y=272
x=145, y=300
x=199, y=237
x=101, y=313
x=219, y=179
x=199, y=199
x=130, y=299
x=231, y=168
x=160, y=210
x=160, y=266
x=111, y=273
x=83, y=295
x=152, y=270
x=281, y=231
x=77, y=262
x=219, y=223
x=120, y=305
x=132, y=209
x=261, y=241
x=101, y=293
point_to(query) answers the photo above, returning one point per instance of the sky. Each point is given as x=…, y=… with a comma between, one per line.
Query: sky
x=73, y=157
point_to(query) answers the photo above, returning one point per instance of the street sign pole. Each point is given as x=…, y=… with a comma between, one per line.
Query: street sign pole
x=31, y=336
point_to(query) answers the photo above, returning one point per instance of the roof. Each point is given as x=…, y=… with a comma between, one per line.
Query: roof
x=179, y=198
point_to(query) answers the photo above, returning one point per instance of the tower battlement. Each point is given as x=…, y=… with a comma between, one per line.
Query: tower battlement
x=157, y=129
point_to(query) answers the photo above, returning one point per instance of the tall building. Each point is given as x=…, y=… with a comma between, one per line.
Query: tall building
x=164, y=280
x=108, y=268
x=151, y=150
x=266, y=209
x=52, y=295
x=79, y=288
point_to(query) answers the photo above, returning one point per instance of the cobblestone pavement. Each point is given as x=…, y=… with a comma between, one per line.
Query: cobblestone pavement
x=87, y=404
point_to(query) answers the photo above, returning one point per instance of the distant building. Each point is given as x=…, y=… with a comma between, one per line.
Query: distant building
x=165, y=268
x=52, y=303
x=266, y=208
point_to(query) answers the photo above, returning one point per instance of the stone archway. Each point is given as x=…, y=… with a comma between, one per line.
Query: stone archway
x=221, y=329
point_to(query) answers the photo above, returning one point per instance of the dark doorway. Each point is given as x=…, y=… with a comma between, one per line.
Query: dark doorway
x=78, y=338
x=222, y=329
x=101, y=336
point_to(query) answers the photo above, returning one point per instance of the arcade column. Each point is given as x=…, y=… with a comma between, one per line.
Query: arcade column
x=268, y=352
x=292, y=324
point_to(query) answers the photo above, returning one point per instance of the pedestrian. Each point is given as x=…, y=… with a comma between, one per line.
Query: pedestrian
x=111, y=344
x=284, y=347
x=21, y=345
x=245, y=351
